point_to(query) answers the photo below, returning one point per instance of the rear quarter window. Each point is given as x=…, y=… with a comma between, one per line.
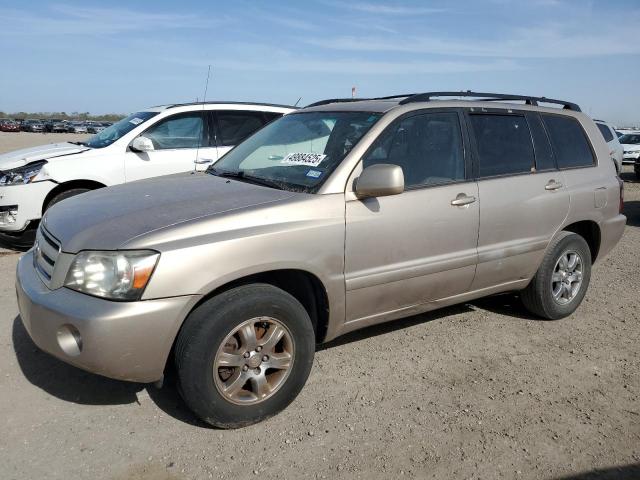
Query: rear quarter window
x=606, y=132
x=569, y=142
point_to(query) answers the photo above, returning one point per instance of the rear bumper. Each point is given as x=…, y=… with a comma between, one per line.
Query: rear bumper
x=28, y=199
x=611, y=231
x=122, y=340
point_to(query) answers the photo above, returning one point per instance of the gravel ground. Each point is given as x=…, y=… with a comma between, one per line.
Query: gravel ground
x=480, y=390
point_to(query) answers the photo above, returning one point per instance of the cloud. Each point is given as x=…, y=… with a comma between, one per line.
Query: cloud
x=387, y=9
x=62, y=19
x=548, y=41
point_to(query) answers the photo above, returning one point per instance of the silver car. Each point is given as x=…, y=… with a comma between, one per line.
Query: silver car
x=332, y=218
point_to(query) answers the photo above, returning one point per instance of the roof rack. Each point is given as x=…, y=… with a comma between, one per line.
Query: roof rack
x=428, y=96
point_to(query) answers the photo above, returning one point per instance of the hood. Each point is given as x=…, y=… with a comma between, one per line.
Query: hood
x=18, y=158
x=630, y=147
x=107, y=218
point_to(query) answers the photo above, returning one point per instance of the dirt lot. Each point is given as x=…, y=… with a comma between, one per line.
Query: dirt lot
x=481, y=390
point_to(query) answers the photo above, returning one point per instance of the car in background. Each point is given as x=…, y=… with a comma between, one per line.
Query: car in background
x=77, y=127
x=95, y=127
x=615, y=148
x=8, y=125
x=55, y=126
x=157, y=141
x=32, y=125
x=631, y=144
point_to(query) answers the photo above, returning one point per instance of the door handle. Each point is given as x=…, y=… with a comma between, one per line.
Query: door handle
x=462, y=199
x=203, y=161
x=553, y=185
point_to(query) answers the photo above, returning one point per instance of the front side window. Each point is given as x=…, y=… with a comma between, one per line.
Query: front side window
x=504, y=144
x=119, y=129
x=428, y=147
x=235, y=126
x=298, y=151
x=569, y=142
x=179, y=131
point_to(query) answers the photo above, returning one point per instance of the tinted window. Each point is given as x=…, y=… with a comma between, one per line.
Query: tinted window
x=606, y=133
x=569, y=142
x=504, y=144
x=428, y=147
x=234, y=126
x=179, y=131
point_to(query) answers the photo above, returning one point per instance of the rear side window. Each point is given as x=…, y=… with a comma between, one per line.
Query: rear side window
x=504, y=144
x=569, y=142
x=235, y=126
x=606, y=132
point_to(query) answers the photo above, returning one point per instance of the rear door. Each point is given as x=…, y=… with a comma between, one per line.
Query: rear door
x=179, y=141
x=523, y=196
x=233, y=126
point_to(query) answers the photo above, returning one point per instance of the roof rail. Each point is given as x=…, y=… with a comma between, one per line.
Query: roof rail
x=428, y=96
x=211, y=102
x=335, y=100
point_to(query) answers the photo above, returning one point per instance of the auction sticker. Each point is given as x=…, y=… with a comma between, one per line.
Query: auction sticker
x=136, y=121
x=307, y=159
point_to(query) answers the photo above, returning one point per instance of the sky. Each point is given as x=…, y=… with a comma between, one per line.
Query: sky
x=120, y=56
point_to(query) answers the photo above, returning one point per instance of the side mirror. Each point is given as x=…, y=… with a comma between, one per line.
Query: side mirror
x=142, y=144
x=379, y=181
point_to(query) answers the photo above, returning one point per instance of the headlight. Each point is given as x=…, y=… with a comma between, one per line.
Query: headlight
x=21, y=175
x=114, y=275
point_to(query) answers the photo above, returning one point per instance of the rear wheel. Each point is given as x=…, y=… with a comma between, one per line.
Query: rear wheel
x=561, y=282
x=244, y=355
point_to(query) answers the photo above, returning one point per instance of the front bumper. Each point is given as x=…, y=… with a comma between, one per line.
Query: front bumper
x=122, y=340
x=29, y=198
x=631, y=157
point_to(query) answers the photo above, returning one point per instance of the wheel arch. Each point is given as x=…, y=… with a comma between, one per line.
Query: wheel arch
x=63, y=187
x=590, y=231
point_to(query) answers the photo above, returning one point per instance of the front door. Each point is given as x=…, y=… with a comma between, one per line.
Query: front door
x=181, y=144
x=403, y=251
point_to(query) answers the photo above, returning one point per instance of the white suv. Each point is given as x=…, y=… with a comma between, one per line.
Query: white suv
x=615, y=148
x=157, y=141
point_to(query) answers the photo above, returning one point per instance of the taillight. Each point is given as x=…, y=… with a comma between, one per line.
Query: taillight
x=621, y=183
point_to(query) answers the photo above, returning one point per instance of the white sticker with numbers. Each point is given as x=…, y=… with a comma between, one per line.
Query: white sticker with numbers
x=307, y=159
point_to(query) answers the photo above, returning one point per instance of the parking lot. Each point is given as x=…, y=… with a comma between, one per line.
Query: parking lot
x=479, y=390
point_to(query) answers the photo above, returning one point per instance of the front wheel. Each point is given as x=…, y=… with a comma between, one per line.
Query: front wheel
x=561, y=282
x=244, y=355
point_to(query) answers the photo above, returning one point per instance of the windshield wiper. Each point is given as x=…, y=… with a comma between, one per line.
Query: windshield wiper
x=241, y=175
x=83, y=144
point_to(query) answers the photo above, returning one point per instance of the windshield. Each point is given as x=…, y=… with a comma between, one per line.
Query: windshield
x=118, y=130
x=630, y=139
x=298, y=151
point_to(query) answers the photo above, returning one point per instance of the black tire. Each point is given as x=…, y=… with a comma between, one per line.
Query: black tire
x=538, y=297
x=66, y=194
x=204, y=331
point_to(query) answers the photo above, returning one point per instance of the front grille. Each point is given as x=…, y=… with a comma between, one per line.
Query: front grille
x=46, y=254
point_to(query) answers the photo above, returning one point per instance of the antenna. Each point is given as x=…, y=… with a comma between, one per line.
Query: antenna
x=197, y=160
x=296, y=104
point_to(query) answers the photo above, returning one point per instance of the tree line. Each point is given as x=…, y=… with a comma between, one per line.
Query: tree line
x=107, y=117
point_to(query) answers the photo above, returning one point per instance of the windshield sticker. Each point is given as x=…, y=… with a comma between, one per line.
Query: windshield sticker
x=308, y=159
x=314, y=173
x=136, y=121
